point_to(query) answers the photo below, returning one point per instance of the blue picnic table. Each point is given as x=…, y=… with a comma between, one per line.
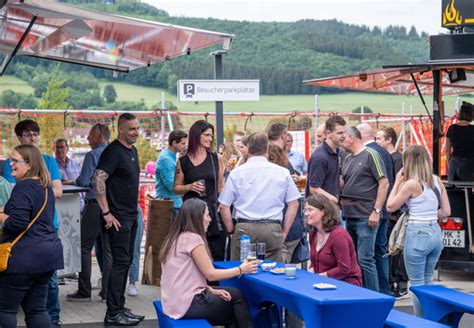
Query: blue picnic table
x=345, y=306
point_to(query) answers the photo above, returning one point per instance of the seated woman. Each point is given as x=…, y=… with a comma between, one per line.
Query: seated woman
x=187, y=264
x=332, y=251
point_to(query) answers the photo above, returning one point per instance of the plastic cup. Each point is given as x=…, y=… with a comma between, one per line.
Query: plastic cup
x=261, y=250
x=202, y=182
x=290, y=271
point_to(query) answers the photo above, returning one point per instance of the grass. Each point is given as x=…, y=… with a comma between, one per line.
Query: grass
x=282, y=104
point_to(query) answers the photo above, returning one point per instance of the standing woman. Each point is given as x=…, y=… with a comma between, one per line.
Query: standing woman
x=199, y=174
x=38, y=253
x=427, y=201
x=460, y=146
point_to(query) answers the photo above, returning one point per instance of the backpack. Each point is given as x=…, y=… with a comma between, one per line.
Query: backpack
x=397, y=237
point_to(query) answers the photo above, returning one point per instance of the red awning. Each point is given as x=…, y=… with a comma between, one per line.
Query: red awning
x=72, y=34
x=398, y=80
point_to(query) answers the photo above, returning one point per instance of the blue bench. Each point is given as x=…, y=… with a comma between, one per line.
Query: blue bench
x=444, y=305
x=166, y=322
x=398, y=319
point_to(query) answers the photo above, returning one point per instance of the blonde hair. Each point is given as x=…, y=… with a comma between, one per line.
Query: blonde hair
x=32, y=156
x=228, y=151
x=417, y=166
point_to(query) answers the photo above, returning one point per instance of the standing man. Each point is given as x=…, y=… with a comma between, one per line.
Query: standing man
x=166, y=167
x=324, y=166
x=28, y=133
x=91, y=221
x=321, y=133
x=237, y=139
x=296, y=158
x=363, y=173
x=259, y=190
x=69, y=168
x=381, y=240
x=386, y=138
x=116, y=182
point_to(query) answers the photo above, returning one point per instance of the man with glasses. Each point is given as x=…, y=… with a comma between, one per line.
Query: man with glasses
x=98, y=138
x=28, y=133
x=69, y=168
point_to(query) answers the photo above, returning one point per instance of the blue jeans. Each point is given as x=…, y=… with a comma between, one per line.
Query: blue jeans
x=423, y=246
x=363, y=237
x=381, y=261
x=52, y=302
x=135, y=267
x=28, y=290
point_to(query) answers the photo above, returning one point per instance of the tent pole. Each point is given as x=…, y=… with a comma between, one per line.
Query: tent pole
x=437, y=110
x=219, y=104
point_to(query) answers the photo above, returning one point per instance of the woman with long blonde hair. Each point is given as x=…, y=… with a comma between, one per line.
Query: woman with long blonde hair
x=427, y=201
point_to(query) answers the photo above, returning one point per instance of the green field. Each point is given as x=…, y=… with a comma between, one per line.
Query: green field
x=303, y=103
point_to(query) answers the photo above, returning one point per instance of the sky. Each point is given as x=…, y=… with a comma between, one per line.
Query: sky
x=425, y=15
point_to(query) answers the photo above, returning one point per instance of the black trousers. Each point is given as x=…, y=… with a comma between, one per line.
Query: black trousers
x=29, y=290
x=219, y=312
x=121, y=245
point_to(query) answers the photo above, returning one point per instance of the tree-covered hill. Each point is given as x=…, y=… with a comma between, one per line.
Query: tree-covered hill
x=281, y=55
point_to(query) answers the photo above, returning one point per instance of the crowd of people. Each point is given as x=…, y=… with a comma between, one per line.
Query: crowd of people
x=357, y=186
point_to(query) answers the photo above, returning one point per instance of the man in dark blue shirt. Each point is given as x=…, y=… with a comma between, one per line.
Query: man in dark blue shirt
x=324, y=167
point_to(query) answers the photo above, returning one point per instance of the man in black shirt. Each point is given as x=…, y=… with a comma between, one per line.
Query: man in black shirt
x=116, y=183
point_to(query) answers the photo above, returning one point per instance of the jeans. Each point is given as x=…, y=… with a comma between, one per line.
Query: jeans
x=219, y=312
x=52, y=303
x=381, y=261
x=28, y=290
x=121, y=244
x=363, y=237
x=135, y=267
x=423, y=246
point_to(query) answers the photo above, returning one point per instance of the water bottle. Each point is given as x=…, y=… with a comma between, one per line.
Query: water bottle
x=244, y=247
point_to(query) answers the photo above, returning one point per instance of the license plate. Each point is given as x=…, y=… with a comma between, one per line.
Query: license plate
x=453, y=238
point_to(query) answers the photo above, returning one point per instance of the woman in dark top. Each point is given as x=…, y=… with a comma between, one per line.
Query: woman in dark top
x=332, y=251
x=39, y=252
x=460, y=146
x=199, y=174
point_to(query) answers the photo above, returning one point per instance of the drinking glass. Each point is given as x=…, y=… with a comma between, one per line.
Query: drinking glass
x=290, y=271
x=203, y=183
x=252, y=252
x=261, y=249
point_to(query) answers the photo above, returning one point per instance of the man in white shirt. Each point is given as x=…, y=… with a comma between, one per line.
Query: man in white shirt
x=259, y=190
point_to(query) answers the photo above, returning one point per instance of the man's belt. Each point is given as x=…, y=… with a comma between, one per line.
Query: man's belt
x=258, y=221
x=91, y=201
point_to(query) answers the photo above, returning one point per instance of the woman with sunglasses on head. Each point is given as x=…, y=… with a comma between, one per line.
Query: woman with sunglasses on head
x=426, y=199
x=186, y=265
x=200, y=174
x=38, y=253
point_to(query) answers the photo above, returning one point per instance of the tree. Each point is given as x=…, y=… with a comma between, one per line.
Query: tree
x=55, y=95
x=12, y=99
x=110, y=94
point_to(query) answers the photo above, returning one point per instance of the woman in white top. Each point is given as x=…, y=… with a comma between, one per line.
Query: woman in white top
x=427, y=201
x=186, y=265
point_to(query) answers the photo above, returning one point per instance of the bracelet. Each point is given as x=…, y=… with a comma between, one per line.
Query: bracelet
x=240, y=271
x=106, y=213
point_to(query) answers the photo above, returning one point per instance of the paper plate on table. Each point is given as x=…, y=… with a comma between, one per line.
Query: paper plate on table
x=323, y=286
x=278, y=271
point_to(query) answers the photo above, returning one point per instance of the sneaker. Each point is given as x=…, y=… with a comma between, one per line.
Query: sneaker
x=132, y=290
x=98, y=285
x=77, y=298
x=401, y=294
x=61, y=281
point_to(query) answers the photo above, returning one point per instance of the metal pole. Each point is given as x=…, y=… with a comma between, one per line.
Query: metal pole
x=316, y=115
x=163, y=107
x=437, y=109
x=404, y=128
x=219, y=104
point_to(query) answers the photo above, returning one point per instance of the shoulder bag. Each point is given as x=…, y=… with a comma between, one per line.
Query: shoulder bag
x=6, y=248
x=397, y=237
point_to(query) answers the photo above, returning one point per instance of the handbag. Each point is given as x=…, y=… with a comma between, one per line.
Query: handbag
x=6, y=248
x=397, y=237
x=301, y=252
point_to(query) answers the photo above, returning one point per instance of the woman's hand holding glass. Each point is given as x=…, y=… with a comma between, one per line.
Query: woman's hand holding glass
x=249, y=267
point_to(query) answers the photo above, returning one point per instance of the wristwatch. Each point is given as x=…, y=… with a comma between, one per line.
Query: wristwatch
x=377, y=210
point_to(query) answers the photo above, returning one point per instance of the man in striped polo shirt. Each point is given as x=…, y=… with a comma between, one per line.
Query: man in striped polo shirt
x=363, y=174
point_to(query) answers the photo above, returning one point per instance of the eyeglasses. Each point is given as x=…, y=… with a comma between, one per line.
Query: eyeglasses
x=30, y=135
x=16, y=161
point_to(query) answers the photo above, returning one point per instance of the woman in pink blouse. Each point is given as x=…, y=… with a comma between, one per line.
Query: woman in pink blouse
x=332, y=251
x=186, y=268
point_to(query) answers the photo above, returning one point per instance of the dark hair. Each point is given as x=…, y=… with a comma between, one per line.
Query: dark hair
x=32, y=156
x=61, y=140
x=195, y=132
x=277, y=156
x=331, y=212
x=389, y=132
x=276, y=130
x=465, y=112
x=103, y=129
x=334, y=120
x=245, y=141
x=257, y=144
x=189, y=219
x=354, y=131
x=176, y=136
x=26, y=125
x=125, y=117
